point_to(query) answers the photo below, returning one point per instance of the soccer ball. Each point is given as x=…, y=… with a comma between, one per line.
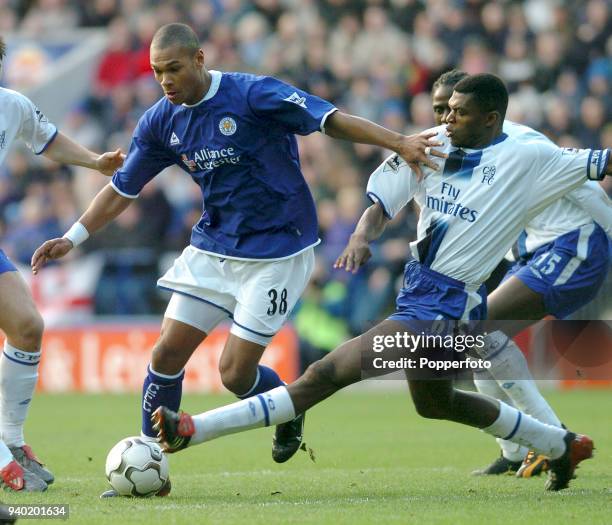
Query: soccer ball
x=135, y=467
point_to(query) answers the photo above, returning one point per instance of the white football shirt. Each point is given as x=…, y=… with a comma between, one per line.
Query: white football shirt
x=581, y=206
x=474, y=207
x=20, y=119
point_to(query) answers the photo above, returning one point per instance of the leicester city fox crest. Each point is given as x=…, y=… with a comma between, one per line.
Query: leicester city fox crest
x=227, y=126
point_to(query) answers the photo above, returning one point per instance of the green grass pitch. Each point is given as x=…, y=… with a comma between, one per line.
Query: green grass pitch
x=376, y=461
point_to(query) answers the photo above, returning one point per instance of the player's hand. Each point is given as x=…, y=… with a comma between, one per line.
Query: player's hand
x=413, y=150
x=355, y=255
x=49, y=250
x=109, y=162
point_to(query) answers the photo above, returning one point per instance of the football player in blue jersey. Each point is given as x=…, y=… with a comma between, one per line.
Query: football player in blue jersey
x=252, y=251
x=443, y=283
x=22, y=324
x=556, y=276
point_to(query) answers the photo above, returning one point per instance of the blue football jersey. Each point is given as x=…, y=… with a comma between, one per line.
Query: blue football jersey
x=238, y=144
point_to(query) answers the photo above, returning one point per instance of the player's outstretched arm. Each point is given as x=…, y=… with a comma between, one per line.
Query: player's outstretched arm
x=66, y=151
x=369, y=228
x=414, y=149
x=106, y=206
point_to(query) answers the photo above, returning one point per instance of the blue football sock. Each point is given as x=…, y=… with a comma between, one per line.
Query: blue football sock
x=158, y=390
x=266, y=379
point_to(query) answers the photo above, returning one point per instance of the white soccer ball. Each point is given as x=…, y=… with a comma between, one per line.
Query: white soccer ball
x=135, y=467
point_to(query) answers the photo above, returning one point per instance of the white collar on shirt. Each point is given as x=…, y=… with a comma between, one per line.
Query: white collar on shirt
x=212, y=90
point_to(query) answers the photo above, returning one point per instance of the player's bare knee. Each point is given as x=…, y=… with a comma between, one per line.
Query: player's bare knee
x=165, y=359
x=322, y=374
x=432, y=407
x=27, y=331
x=428, y=410
x=235, y=379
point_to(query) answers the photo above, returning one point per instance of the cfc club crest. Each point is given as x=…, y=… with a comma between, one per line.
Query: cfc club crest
x=227, y=126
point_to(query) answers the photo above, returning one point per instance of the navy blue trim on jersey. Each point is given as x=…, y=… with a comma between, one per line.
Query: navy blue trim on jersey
x=378, y=200
x=470, y=161
x=601, y=170
x=516, y=427
x=461, y=164
x=437, y=235
x=48, y=143
x=588, y=166
x=594, y=169
x=498, y=139
x=265, y=409
x=599, y=164
x=429, y=245
x=453, y=162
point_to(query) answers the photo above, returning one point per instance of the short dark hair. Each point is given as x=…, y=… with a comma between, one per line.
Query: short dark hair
x=449, y=79
x=489, y=91
x=176, y=34
x=2, y=49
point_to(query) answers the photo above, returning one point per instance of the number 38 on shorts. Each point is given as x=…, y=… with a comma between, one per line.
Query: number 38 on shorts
x=278, y=301
x=257, y=295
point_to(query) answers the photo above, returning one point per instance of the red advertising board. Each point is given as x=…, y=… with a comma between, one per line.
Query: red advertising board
x=114, y=358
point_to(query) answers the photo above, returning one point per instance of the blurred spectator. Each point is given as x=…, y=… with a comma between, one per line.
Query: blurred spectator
x=549, y=57
x=117, y=66
x=47, y=17
x=97, y=13
x=592, y=117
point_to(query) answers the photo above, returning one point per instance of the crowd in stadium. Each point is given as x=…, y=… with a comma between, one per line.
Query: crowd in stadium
x=373, y=58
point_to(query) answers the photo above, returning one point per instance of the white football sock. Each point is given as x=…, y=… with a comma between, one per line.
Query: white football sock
x=511, y=451
x=270, y=408
x=519, y=427
x=18, y=375
x=510, y=370
x=5, y=455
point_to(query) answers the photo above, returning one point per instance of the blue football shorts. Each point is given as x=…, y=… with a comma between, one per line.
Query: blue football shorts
x=433, y=304
x=427, y=295
x=567, y=272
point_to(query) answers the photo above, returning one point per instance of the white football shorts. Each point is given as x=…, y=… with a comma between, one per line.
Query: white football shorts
x=257, y=295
